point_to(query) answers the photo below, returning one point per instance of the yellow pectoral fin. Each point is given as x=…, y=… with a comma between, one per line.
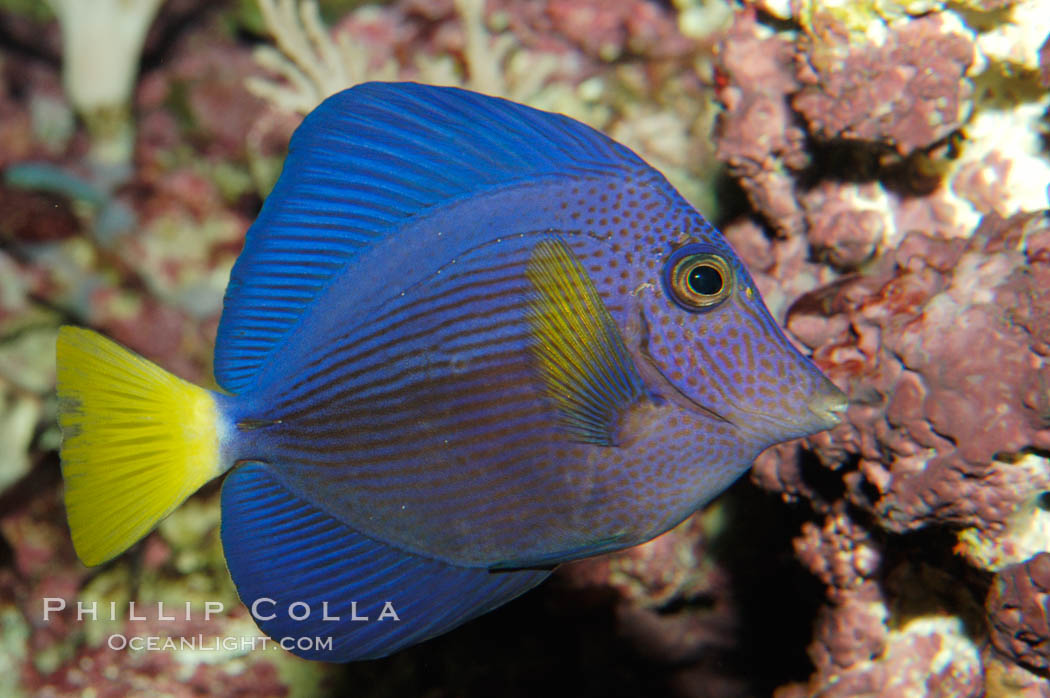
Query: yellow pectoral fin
x=585, y=366
x=137, y=441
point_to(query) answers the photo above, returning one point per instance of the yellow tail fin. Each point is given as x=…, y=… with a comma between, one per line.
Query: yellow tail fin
x=137, y=441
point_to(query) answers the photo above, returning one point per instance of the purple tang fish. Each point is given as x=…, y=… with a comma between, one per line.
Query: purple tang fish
x=466, y=341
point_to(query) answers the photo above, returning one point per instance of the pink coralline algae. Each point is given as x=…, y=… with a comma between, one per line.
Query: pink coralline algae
x=883, y=632
x=851, y=628
x=907, y=93
x=887, y=236
x=838, y=232
x=757, y=138
x=599, y=29
x=931, y=411
x=862, y=658
x=1019, y=612
x=609, y=29
x=840, y=553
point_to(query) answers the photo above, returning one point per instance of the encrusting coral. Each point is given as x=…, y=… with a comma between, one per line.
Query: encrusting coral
x=1018, y=615
x=881, y=151
x=906, y=91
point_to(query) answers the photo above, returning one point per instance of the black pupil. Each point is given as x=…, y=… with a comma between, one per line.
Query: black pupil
x=704, y=280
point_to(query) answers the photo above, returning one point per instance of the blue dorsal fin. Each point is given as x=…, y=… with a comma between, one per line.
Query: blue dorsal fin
x=359, y=167
x=295, y=557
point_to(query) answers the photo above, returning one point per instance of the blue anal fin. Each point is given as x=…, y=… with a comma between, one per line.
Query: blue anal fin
x=288, y=557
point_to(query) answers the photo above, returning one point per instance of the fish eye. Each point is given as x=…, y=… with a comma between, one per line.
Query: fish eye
x=698, y=280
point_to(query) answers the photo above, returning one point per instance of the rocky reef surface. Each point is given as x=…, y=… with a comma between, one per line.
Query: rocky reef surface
x=895, y=159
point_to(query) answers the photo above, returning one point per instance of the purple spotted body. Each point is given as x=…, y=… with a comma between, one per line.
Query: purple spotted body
x=449, y=422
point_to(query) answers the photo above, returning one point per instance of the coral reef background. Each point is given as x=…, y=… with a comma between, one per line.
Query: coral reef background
x=883, y=168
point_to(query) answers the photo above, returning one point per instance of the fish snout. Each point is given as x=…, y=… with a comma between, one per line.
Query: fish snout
x=828, y=405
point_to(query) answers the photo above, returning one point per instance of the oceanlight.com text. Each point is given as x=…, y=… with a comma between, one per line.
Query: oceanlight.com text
x=202, y=643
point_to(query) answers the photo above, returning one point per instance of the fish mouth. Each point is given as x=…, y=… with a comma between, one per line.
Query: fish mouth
x=829, y=405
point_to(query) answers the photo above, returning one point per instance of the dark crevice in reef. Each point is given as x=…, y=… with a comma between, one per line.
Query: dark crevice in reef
x=923, y=577
x=775, y=597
